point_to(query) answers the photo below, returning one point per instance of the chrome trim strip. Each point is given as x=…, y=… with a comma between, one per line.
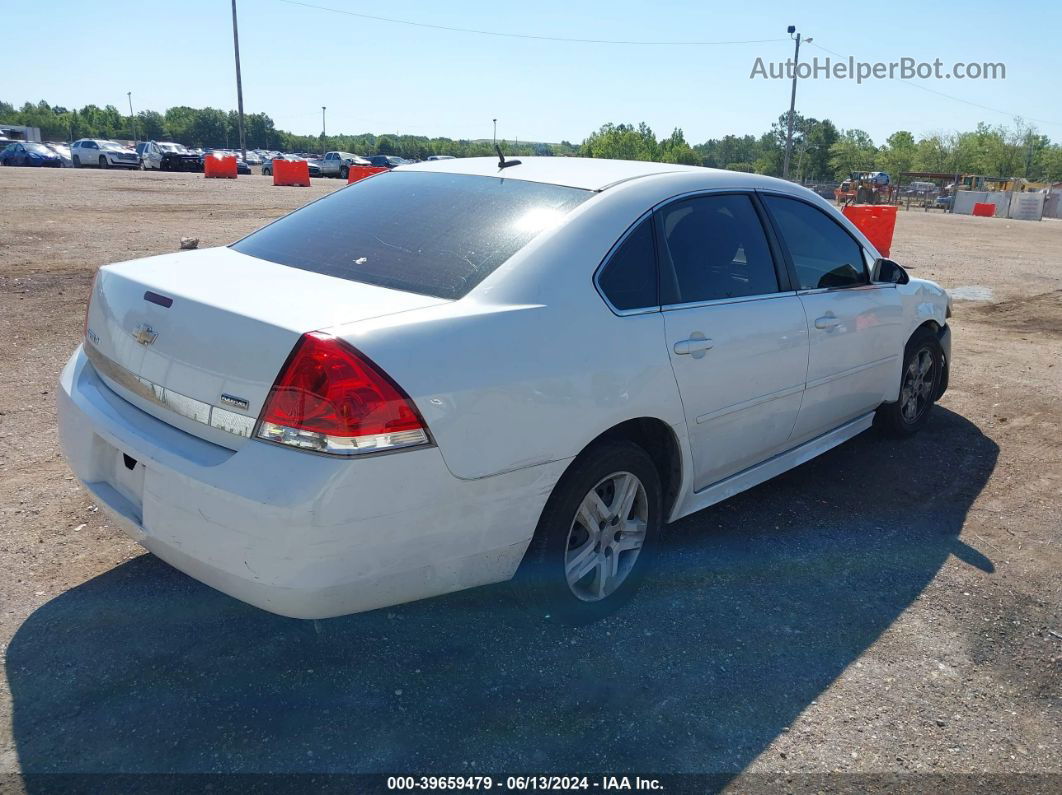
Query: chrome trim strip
x=851, y=371
x=741, y=299
x=748, y=404
x=182, y=405
x=852, y=288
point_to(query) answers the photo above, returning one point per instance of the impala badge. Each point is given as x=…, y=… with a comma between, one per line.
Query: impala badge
x=232, y=400
x=144, y=334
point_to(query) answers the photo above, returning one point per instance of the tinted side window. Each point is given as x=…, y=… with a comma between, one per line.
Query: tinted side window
x=628, y=280
x=823, y=253
x=716, y=248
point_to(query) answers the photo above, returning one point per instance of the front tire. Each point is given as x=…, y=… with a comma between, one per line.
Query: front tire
x=77, y=162
x=103, y=162
x=597, y=535
x=344, y=172
x=920, y=380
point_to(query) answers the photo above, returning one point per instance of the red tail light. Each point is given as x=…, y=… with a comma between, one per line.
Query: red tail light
x=330, y=399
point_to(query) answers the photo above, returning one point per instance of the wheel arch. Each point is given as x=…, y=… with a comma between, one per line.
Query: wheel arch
x=932, y=325
x=659, y=440
x=939, y=331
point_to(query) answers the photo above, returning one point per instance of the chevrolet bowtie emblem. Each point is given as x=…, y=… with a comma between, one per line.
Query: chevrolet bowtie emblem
x=144, y=334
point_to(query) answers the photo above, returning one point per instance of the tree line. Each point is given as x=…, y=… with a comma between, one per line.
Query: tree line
x=821, y=150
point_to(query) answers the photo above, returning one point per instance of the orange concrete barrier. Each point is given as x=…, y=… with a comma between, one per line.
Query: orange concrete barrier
x=215, y=167
x=984, y=209
x=876, y=221
x=289, y=172
x=361, y=172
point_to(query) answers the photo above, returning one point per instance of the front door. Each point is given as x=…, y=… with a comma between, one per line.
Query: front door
x=736, y=334
x=856, y=327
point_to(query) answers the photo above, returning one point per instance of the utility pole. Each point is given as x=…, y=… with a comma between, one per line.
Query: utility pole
x=495, y=132
x=324, y=134
x=792, y=103
x=239, y=80
x=132, y=118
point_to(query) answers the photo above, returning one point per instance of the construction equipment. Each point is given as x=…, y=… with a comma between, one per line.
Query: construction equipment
x=865, y=187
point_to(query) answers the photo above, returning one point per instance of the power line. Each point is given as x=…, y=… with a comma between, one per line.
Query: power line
x=508, y=35
x=950, y=96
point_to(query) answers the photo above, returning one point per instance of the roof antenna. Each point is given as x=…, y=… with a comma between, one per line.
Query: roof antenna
x=502, y=162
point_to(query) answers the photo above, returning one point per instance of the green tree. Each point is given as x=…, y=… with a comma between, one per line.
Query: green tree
x=151, y=125
x=854, y=151
x=674, y=149
x=621, y=142
x=898, y=154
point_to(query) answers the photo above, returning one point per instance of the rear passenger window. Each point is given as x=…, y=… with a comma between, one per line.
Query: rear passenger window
x=628, y=280
x=823, y=254
x=714, y=247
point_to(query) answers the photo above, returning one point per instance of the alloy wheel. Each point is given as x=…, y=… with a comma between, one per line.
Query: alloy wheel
x=606, y=536
x=918, y=381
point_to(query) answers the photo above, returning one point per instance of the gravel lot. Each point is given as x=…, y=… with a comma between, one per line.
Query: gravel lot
x=892, y=607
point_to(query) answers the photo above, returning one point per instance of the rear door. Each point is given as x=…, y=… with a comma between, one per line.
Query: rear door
x=855, y=326
x=736, y=332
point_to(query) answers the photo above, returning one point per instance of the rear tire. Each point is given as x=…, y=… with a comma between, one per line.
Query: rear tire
x=920, y=380
x=597, y=536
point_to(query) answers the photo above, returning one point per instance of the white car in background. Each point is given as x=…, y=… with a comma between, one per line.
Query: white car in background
x=103, y=154
x=63, y=150
x=167, y=156
x=461, y=371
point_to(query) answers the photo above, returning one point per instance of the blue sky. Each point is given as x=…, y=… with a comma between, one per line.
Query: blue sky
x=382, y=77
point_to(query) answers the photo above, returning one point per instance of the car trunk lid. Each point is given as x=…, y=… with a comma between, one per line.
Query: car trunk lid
x=197, y=338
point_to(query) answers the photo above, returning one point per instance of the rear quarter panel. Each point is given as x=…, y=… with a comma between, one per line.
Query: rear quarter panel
x=532, y=365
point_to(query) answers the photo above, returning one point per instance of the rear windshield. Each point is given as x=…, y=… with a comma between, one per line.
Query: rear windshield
x=429, y=233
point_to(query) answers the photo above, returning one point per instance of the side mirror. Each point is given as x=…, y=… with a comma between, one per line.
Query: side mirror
x=889, y=272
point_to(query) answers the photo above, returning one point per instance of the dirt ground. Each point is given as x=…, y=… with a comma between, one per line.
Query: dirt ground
x=890, y=608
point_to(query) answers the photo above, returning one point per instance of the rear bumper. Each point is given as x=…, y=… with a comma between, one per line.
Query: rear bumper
x=293, y=533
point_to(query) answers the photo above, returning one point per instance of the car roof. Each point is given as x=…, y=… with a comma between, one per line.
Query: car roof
x=575, y=172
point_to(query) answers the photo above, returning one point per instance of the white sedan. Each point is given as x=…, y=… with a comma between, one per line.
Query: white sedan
x=463, y=371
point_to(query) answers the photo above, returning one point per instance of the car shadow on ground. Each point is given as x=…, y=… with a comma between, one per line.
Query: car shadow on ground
x=756, y=606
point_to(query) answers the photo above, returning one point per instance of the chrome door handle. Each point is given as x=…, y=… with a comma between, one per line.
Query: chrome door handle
x=694, y=346
x=826, y=322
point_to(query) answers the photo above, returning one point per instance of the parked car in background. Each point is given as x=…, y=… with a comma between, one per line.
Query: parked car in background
x=267, y=166
x=451, y=374
x=26, y=153
x=241, y=165
x=387, y=161
x=167, y=156
x=440, y=157
x=103, y=153
x=337, y=164
x=63, y=150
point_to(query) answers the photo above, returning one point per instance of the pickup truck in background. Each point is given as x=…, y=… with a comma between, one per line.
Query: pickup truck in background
x=337, y=164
